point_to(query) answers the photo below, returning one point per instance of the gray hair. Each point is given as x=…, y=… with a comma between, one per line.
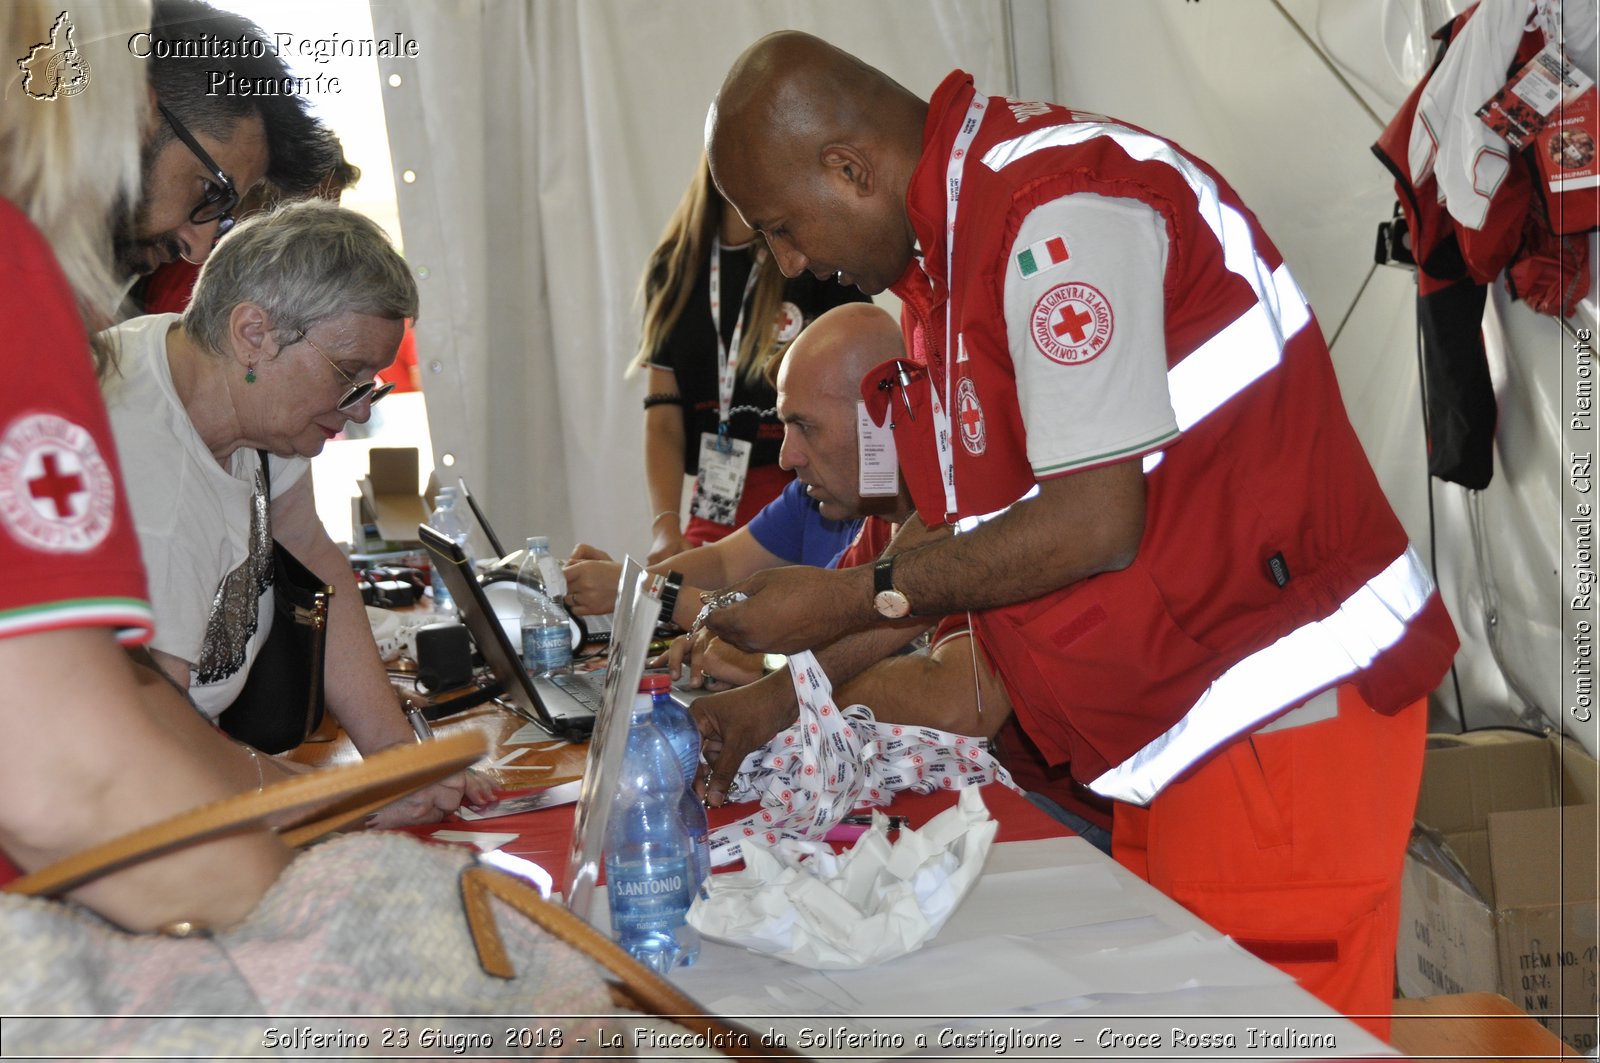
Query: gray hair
x=302, y=263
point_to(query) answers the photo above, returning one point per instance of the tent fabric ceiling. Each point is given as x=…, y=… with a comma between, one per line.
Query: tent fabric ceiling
x=551, y=140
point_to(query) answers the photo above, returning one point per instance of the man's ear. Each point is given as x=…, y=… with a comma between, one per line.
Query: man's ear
x=250, y=330
x=847, y=163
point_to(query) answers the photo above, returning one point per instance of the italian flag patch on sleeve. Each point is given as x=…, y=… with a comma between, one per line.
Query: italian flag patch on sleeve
x=1046, y=254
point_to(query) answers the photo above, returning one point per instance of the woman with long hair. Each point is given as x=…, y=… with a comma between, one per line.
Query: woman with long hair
x=717, y=310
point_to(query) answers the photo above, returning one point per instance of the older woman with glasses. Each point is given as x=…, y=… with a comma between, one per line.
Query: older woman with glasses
x=293, y=316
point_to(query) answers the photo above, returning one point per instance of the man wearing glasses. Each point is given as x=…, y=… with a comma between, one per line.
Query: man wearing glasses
x=205, y=152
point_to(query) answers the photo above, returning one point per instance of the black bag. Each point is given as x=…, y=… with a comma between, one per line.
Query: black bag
x=282, y=700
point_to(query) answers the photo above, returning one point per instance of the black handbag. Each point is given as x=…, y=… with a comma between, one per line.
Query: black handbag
x=281, y=703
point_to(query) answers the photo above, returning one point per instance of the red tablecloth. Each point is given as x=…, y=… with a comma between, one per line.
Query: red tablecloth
x=544, y=836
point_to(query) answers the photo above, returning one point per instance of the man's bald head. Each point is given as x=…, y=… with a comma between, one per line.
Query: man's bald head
x=815, y=149
x=819, y=384
x=828, y=359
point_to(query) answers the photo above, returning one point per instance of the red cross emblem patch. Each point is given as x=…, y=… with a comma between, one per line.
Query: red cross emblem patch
x=789, y=322
x=1072, y=323
x=56, y=491
x=969, y=414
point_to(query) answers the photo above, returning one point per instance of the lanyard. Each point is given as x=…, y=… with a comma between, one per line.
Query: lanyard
x=728, y=368
x=941, y=405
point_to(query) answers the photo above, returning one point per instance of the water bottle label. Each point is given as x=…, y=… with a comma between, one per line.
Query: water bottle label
x=545, y=649
x=555, y=581
x=644, y=903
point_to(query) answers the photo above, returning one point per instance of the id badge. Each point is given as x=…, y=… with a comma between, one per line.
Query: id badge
x=724, y=463
x=878, y=470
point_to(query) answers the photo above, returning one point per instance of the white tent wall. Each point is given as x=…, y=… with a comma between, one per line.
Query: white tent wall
x=552, y=139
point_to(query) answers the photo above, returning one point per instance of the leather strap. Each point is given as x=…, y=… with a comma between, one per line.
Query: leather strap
x=333, y=798
x=634, y=985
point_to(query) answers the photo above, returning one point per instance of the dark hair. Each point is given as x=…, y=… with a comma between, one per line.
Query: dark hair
x=301, y=151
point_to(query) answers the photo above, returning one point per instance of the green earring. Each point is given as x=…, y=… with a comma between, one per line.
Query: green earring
x=250, y=374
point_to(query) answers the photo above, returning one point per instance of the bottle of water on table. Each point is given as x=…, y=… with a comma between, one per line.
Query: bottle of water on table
x=446, y=520
x=648, y=856
x=674, y=721
x=546, y=635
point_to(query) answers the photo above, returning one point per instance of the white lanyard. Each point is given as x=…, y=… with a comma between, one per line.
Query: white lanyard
x=728, y=368
x=941, y=405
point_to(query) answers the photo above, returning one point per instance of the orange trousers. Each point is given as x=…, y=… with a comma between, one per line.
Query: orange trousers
x=1292, y=843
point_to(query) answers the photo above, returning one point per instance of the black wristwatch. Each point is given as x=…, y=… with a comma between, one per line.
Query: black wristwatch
x=671, y=584
x=888, y=601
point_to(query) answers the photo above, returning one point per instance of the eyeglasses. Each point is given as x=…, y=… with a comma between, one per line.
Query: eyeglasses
x=373, y=390
x=221, y=195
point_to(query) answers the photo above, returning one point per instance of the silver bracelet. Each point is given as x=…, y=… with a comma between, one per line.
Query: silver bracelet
x=715, y=602
x=261, y=776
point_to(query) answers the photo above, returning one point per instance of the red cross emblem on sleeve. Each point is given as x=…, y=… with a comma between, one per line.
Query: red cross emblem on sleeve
x=969, y=414
x=57, y=494
x=1072, y=323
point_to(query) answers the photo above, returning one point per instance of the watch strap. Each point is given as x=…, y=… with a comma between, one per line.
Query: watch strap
x=883, y=575
x=671, y=584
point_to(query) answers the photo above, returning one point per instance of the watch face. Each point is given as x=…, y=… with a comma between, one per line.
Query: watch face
x=892, y=604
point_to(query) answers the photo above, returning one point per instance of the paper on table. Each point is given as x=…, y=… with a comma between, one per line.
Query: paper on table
x=988, y=976
x=483, y=841
x=531, y=734
x=1031, y=902
x=801, y=903
x=1180, y=961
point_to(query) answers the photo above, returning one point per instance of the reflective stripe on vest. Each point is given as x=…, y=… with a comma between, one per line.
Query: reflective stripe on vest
x=1301, y=663
x=1321, y=652
x=1248, y=347
x=966, y=524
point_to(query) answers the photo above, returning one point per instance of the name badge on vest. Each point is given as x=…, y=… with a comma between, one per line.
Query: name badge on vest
x=878, y=467
x=724, y=463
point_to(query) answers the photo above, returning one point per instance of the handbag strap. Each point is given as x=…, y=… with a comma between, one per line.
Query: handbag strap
x=634, y=985
x=354, y=790
x=266, y=472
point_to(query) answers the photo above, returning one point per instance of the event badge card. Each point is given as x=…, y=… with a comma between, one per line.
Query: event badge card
x=724, y=463
x=1524, y=105
x=516, y=804
x=879, y=465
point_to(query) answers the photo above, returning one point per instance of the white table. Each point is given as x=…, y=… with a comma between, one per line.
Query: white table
x=1059, y=952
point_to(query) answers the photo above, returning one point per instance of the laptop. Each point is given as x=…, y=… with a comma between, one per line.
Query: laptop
x=563, y=705
x=590, y=628
x=482, y=519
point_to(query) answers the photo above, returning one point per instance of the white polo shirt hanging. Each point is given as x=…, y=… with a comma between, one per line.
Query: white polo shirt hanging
x=724, y=461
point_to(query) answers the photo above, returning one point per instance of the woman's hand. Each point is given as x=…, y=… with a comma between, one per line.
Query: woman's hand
x=712, y=663
x=668, y=541
x=427, y=805
x=591, y=581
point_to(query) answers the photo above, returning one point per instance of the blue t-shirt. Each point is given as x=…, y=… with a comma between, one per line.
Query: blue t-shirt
x=791, y=527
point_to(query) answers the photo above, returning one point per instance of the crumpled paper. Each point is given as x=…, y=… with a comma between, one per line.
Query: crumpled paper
x=799, y=902
x=829, y=763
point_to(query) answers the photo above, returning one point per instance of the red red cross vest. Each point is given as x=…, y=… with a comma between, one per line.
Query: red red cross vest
x=1271, y=566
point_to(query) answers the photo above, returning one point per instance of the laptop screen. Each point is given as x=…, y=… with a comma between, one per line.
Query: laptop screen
x=482, y=519
x=479, y=617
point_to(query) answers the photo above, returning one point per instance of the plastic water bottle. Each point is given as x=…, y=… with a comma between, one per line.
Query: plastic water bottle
x=446, y=520
x=546, y=636
x=550, y=577
x=648, y=854
x=675, y=723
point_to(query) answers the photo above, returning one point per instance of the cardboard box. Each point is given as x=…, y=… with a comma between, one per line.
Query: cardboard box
x=1499, y=891
x=389, y=498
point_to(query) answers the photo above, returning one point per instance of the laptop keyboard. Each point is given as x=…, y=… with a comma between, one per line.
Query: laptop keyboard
x=586, y=687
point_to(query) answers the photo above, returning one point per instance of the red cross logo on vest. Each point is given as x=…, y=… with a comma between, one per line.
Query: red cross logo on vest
x=1072, y=323
x=969, y=415
x=56, y=491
